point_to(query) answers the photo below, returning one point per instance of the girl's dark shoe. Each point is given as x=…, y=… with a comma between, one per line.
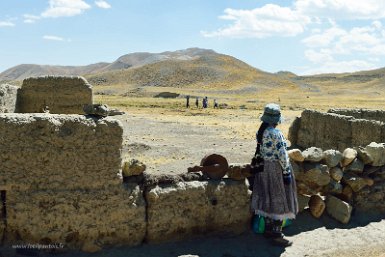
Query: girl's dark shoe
x=281, y=241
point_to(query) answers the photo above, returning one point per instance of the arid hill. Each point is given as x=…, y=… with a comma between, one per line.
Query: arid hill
x=193, y=67
x=23, y=71
x=210, y=70
x=197, y=68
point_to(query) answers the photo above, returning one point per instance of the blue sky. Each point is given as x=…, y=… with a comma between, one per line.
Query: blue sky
x=302, y=36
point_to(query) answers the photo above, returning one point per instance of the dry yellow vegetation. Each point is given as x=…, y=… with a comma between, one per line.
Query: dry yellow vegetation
x=293, y=101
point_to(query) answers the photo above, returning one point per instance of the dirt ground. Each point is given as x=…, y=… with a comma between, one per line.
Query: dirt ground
x=170, y=142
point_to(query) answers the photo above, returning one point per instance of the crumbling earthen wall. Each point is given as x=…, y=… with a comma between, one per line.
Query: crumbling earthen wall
x=62, y=95
x=60, y=175
x=8, y=98
x=334, y=131
x=60, y=152
x=378, y=115
x=179, y=210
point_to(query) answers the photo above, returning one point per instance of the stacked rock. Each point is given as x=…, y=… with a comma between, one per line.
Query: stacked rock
x=336, y=182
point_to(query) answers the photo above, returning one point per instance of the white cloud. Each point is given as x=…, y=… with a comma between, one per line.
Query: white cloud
x=65, y=8
x=6, y=24
x=342, y=9
x=367, y=40
x=333, y=49
x=53, y=38
x=28, y=18
x=102, y=4
x=341, y=67
x=275, y=20
x=269, y=20
x=322, y=39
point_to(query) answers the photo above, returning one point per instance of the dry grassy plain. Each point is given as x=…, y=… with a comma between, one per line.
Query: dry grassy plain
x=241, y=102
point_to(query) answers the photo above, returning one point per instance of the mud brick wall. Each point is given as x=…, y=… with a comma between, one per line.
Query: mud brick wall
x=60, y=175
x=367, y=131
x=109, y=216
x=324, y=130
x=334, y=131
x=53, y=151
x=8, y=98
x=377, y=115
x=180, y=210
x=63, y=95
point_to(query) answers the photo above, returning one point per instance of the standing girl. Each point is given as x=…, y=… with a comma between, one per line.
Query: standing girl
x=274, y=192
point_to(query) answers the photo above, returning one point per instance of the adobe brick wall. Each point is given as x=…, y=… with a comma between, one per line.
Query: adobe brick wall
x=334, y=131
x=60, y=174
x=63, y=95
x=378, y=115
x=56, y=151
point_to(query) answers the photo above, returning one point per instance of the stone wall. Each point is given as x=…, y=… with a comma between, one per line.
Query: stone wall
x=8, y=98
x=62, y=95
x=334, y=131
x=338, y=182
x=378, y=115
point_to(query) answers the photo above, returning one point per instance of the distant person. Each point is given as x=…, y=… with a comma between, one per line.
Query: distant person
x=197, y=102
x=215, y=104
x=204, y=103
x=187, y=101
x=274, y=194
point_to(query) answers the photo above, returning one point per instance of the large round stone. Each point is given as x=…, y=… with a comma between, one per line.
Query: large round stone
x=348, y=156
